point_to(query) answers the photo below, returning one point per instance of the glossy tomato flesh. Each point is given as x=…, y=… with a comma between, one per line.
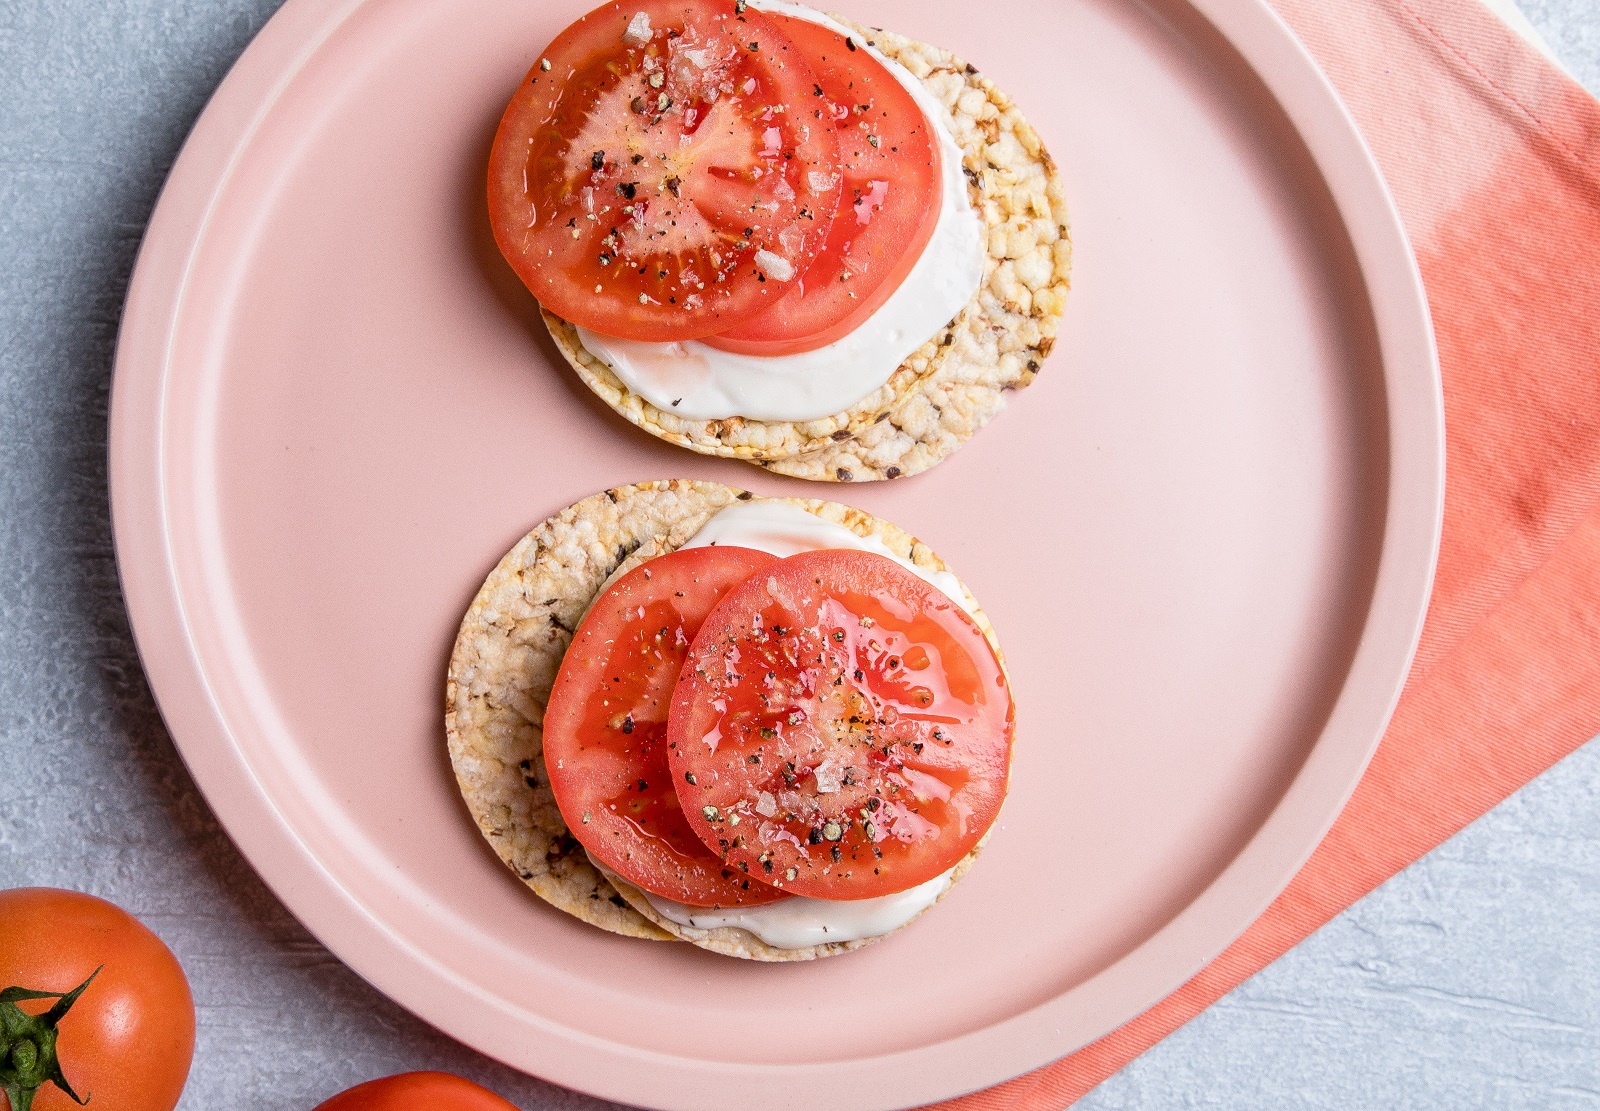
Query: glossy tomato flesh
x=841, y=728
x=890, y=172
x=417, y=1091
x=634, y=182
x=129, y=1038
x=605, y=727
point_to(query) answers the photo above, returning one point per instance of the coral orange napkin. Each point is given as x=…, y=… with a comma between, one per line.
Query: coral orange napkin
x=1494, y=159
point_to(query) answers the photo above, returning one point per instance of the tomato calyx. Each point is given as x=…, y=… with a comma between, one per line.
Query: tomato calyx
x=28, y=1044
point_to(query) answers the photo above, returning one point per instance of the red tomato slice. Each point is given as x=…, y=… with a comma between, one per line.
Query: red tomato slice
x=605, y=726
x=841, y=728
x=889, y=158
x=634, y=183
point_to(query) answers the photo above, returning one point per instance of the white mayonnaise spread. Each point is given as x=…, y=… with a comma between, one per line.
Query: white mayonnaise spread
x=692, y=380
x=784, y=529
x=798, y=921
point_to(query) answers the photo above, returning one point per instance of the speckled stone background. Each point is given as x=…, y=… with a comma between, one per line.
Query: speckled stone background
x=1471, y=980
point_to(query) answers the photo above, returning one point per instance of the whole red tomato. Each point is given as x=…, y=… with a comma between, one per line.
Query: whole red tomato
x=415, y=1091
x=126, y=1042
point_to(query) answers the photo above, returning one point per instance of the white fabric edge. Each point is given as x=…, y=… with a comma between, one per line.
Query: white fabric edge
x=1514, y=18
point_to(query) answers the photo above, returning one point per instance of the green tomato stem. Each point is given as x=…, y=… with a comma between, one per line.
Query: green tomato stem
x=28, y=1044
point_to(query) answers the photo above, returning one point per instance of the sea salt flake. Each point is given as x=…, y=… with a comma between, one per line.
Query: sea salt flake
x=776, y=267
x=638, y=32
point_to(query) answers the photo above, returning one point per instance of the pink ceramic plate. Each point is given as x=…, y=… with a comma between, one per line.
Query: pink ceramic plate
x=1205, y=536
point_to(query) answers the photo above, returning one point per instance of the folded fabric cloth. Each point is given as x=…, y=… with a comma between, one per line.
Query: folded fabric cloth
x=1493, y=156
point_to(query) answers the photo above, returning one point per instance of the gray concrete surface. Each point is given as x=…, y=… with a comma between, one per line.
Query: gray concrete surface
x=1471, y=980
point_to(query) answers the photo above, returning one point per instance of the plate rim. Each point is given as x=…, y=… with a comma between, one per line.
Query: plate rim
x=358, y=935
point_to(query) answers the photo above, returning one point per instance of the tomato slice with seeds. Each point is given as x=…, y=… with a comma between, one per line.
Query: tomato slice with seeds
x=648, y=177
x=841, y=728
x=890, y=172
x=605, y=726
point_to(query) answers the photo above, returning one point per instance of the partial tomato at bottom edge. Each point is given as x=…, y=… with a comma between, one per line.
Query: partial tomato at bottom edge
x=417, y=1091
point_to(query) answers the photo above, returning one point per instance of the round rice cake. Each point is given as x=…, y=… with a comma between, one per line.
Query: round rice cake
x=952, y=385
x=504, y=664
